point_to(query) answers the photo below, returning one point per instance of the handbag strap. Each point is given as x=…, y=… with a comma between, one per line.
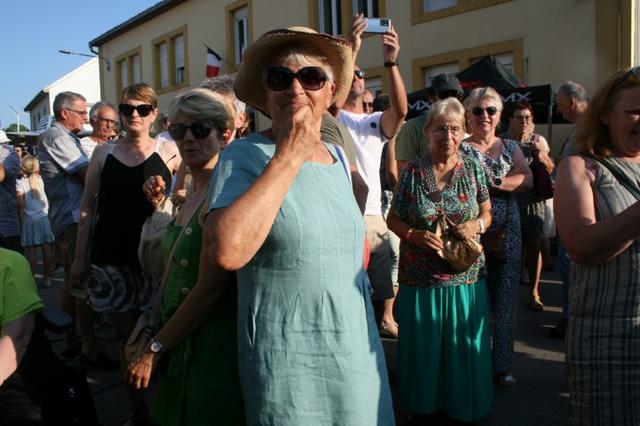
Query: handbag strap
x=156, y=304
x=617, y=173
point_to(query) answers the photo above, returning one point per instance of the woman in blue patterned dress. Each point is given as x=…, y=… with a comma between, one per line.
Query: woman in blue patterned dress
x=283, y=215
x=508, y=173
x=598, y=217
x=444, y=357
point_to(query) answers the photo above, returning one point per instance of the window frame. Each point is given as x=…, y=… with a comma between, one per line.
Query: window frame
x=418, y=15
x=463, y=58
x=230, y=12
x=169, y=39
x=127, y=57
x=346, y=10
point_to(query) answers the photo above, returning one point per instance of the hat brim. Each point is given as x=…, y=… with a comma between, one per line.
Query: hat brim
x=249, y=84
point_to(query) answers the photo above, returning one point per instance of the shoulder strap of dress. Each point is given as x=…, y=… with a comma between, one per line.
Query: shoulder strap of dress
x=617, y=173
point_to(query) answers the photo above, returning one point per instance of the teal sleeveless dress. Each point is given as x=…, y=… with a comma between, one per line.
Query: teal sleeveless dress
x=308, y=349
x=198, y=378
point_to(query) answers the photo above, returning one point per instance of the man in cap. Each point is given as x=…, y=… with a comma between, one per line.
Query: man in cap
x=410, y=141
x=9, y=222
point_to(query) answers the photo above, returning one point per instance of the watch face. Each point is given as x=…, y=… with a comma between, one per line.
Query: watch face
x=156, y=346
x=497, y=181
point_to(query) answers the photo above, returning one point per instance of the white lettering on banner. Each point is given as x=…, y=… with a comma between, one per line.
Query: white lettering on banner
x=419, y=105
x=517, y=97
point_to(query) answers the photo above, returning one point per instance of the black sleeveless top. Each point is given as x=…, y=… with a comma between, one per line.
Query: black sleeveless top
x=122, y=209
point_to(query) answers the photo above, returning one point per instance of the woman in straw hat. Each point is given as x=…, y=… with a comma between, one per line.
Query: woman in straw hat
x=283, y=215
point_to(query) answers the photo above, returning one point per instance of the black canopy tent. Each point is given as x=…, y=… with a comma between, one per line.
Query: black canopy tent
x=490, y=72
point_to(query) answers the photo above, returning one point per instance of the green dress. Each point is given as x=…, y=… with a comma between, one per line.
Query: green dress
x=198, y=378
x=309, y=351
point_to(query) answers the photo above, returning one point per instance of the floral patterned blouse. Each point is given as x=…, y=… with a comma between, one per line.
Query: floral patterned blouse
x=496, y=167
x=414, y=205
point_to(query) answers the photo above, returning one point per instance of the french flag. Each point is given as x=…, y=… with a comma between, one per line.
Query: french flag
x=213, y=63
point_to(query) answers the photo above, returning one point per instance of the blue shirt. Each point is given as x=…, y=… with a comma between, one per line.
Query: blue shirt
x=61, y=155
x=9, y=224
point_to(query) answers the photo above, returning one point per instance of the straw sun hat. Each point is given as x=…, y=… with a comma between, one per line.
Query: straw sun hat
x=249, y=84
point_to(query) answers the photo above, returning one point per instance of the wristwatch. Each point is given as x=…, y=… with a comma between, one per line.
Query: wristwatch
x=481, y=223
x=156, y=347
x=390, y=64
x=497, y=181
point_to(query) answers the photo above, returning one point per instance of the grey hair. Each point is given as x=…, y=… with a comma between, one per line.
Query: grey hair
x=203, y=105
x=573, y=90
x=224, y=85
x=450, y=108
x=65, y=100
x=95, y=110
x=481, y=93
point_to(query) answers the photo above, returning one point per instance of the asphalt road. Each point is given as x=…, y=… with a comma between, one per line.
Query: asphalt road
x=541, y=397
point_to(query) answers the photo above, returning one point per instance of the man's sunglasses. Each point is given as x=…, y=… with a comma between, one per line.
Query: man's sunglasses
x=491, y=111
x=359, y=74
x=198, y=129
x=281, y=78
x=143, y=109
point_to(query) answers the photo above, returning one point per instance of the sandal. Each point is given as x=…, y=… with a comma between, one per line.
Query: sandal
x=536, y=304
x=506, y=381
x=389, y=330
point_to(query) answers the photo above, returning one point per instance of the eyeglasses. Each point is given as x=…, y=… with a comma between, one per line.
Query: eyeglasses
x=523, y=117
x=367, y=105
x=633, y=72
x=359, y=74
x=281, y=78
x=80, y=113
x=444, y=130
x=110, y=121
x=198, y=129
x=143, y=109
x=491, y=111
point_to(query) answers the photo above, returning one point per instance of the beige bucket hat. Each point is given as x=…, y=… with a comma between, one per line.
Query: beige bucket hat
x=249, y=84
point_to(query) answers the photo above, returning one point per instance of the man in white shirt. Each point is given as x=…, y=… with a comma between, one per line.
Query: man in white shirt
x=369, y=133
x=104, y=121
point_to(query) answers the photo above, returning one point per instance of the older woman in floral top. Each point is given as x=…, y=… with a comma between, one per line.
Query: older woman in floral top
x=444, y=349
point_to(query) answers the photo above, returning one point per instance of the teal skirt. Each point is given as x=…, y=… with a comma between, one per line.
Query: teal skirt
x=444, y=352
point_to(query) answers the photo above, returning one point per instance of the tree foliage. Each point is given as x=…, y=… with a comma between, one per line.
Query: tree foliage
x=13, y=126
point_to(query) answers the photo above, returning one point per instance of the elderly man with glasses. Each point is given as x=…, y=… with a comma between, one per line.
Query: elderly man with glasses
x=63, y=165
x=104, y=121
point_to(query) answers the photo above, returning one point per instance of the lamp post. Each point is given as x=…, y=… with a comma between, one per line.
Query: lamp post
x=71, y=52
x=17, y=118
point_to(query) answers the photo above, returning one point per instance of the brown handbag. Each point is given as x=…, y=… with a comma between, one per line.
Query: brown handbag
x=459, y=253
x=493, y=241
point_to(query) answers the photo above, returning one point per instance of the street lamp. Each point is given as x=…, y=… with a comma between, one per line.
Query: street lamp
x=17, y=117
x=71, y=52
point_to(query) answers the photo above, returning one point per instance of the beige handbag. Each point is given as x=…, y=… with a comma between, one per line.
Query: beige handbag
x=459, y=253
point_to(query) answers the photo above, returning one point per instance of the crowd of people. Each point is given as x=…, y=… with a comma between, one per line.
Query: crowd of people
x=289, y=252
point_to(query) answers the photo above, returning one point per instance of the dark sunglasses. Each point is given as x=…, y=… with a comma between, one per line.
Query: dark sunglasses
x=359, y=74
x=143, y=109
x=633, y=72
x=367, y=104
x=281, y=78
x=198, y=130
x=491, y=111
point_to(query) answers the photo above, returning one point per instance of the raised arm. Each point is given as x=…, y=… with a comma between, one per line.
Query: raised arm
x=587, y=240
x=392, y=119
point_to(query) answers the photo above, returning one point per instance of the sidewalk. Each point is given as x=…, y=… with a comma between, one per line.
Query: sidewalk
x=541, y=398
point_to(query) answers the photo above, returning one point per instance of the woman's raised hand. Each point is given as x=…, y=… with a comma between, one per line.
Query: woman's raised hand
x=296, y=136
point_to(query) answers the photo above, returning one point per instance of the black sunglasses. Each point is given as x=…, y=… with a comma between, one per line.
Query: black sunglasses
x=491, y=111
x=198, y=130
x=310, y=78
x=359, y=74
x=143, y=109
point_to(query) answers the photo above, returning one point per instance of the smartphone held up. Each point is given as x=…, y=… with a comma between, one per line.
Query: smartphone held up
x=378, y=25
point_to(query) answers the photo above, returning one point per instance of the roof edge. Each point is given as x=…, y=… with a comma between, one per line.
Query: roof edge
x=140, y=18
x=34, y=101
